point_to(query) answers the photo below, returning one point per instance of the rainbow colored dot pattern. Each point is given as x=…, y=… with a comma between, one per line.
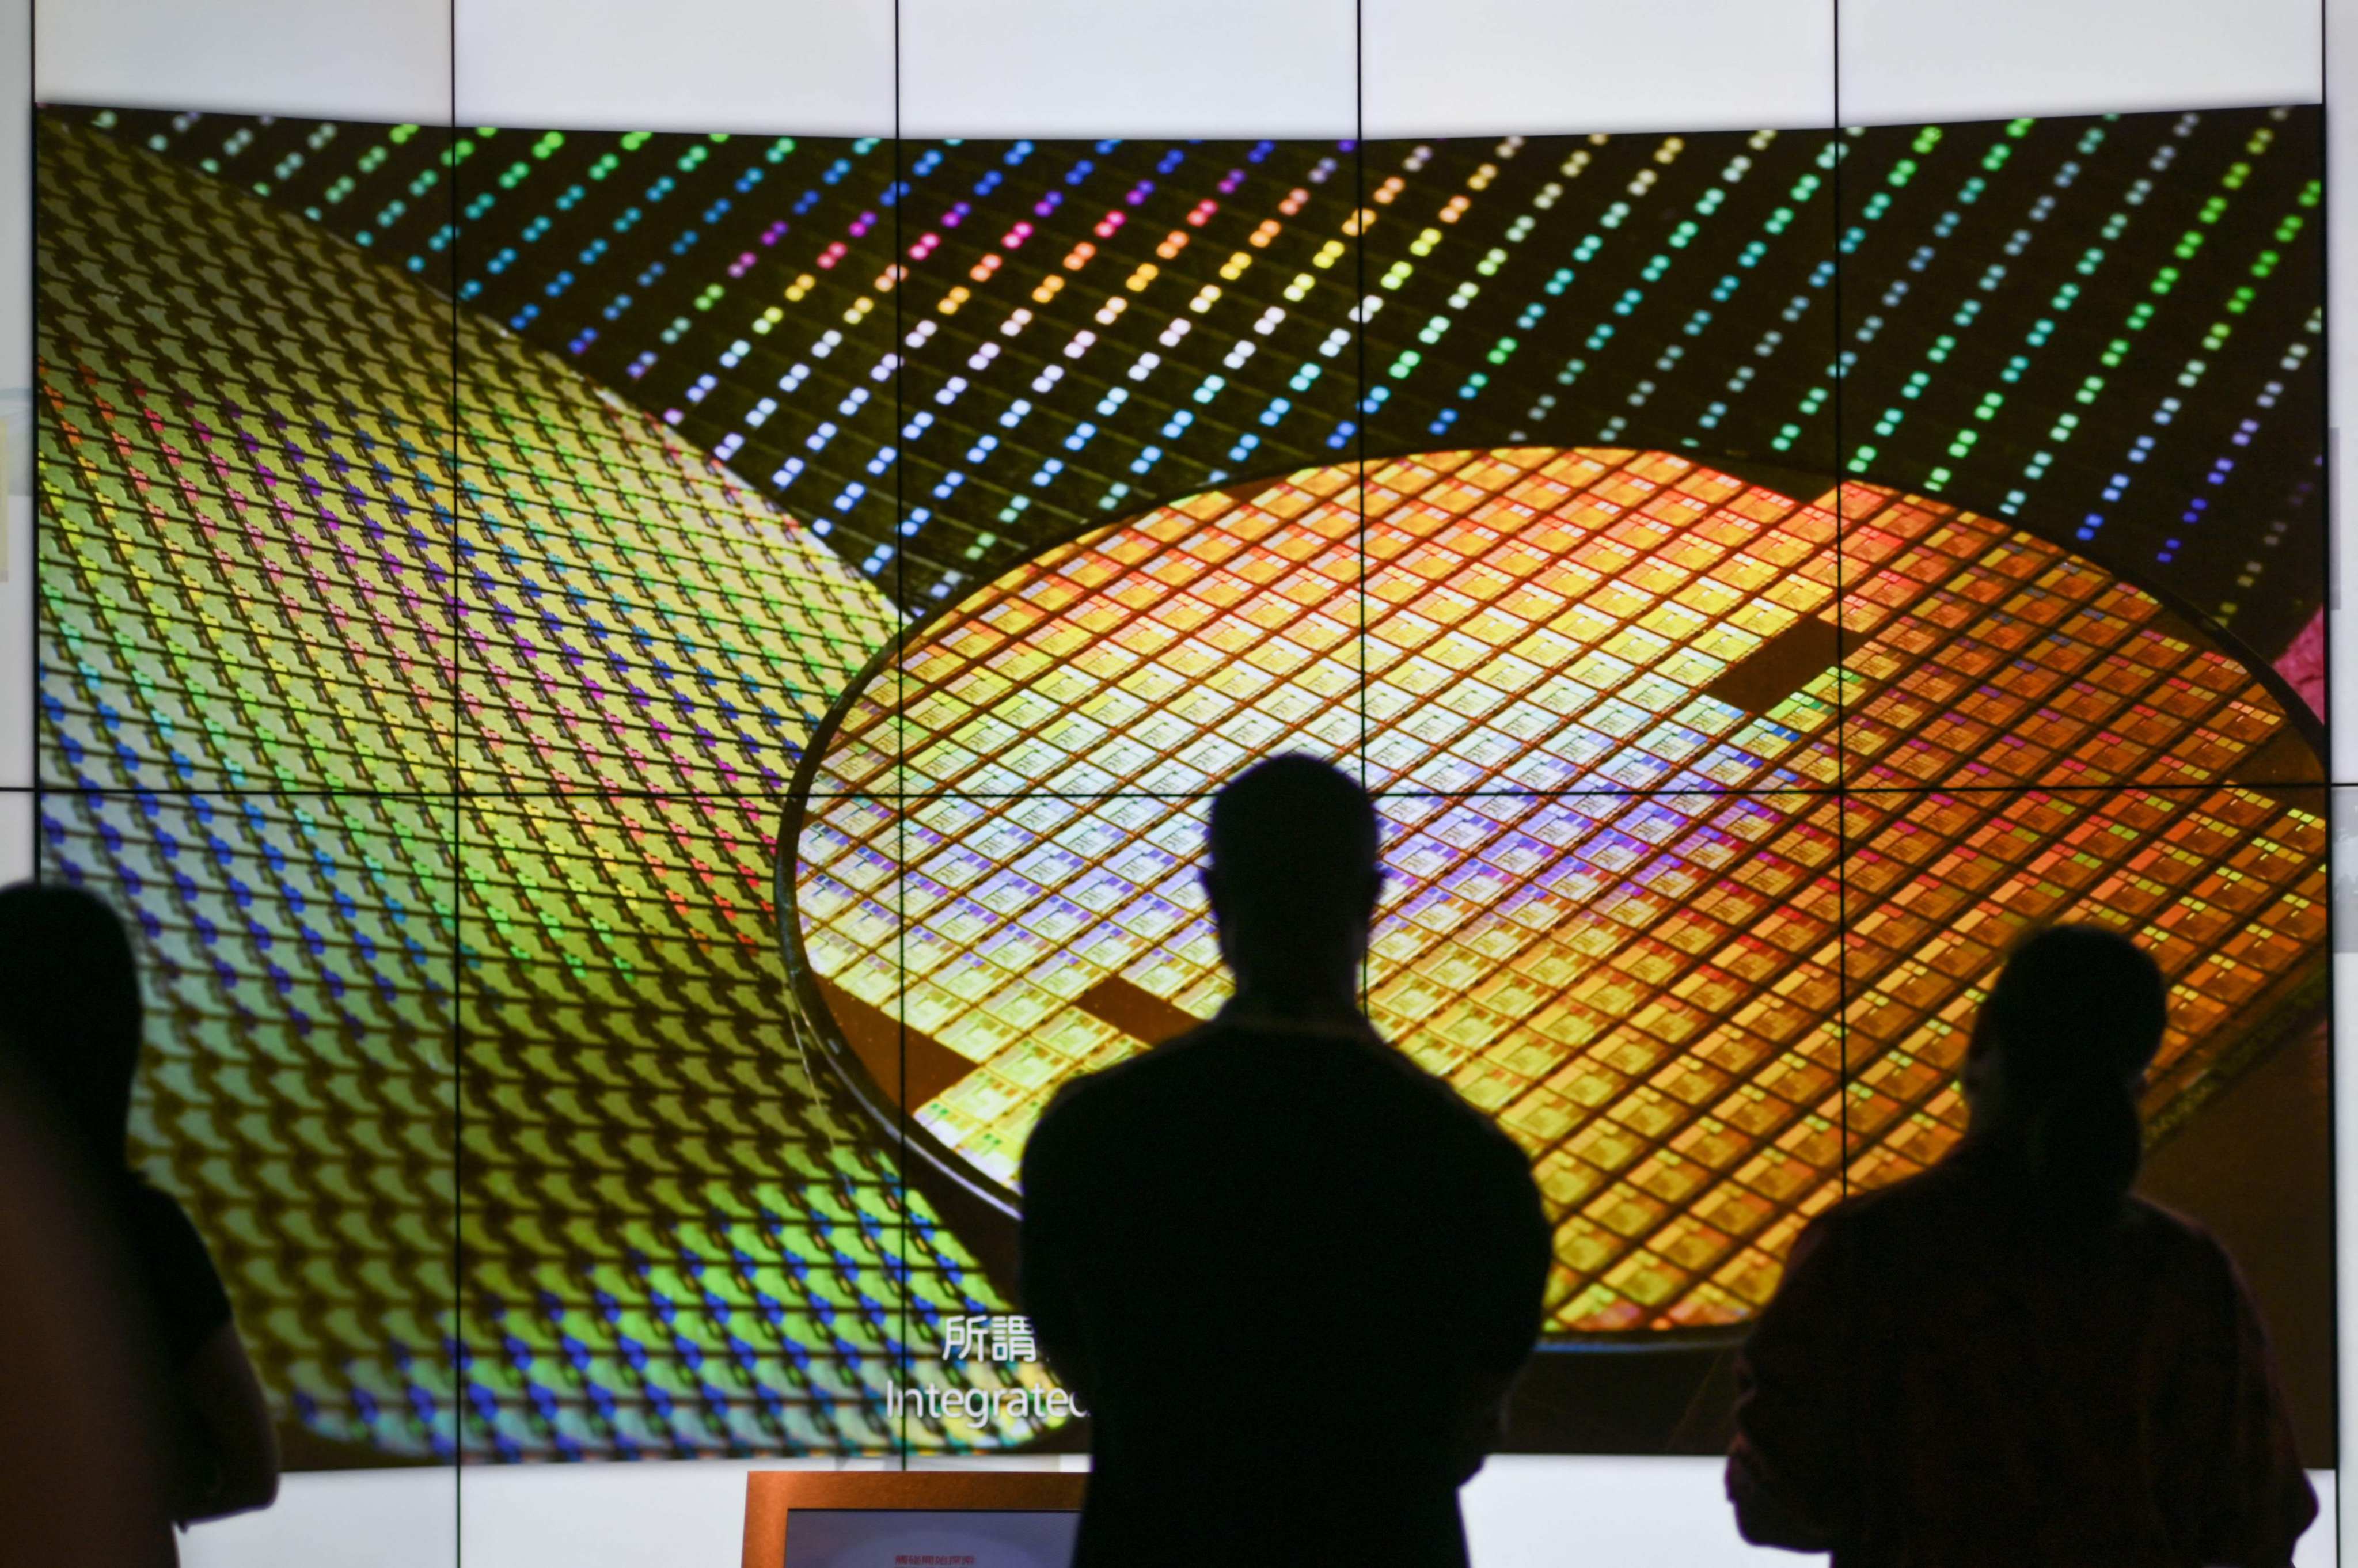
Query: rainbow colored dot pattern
x=2107, y=326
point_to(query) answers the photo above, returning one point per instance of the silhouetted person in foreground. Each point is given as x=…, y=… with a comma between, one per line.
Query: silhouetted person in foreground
x=69, y=1027
x=1290, y=1274
x=82, y=1459
x=2009, y=1360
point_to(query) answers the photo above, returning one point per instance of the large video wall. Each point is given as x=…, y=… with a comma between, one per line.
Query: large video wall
x=651, y=696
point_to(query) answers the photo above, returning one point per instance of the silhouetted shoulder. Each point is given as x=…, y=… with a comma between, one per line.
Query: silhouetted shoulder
x=2184, y=1242
x=1083, y=1102
x=1219, y=1060
x=1960, y=1193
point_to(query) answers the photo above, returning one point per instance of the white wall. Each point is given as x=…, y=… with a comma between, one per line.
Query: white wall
x=361, y=60
x=1218, y=67
x=16, y=434
x=1911, y=60
x=1490, y=68
x=1524, y=1512
x=811, y=69
x=2342, y=330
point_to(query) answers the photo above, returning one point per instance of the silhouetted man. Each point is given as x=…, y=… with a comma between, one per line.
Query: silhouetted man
x=1291, y=1274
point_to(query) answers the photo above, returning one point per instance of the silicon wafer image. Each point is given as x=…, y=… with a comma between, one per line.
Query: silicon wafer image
x=1709, y=819
x=288, y=593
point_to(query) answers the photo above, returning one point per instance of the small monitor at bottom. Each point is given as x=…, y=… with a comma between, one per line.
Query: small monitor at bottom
x=930, y=1538
x=974, y=1516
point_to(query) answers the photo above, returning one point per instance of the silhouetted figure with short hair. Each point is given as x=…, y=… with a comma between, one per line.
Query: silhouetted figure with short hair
x=69, y=1027
x=2008, y=1361
x=1291, y=1274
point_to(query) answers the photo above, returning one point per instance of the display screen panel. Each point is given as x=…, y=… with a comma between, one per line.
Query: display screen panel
x=454, y=544
x=887, y=1538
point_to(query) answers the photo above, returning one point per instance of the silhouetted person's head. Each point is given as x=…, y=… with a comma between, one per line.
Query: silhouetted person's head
x=69, y=1008
x=2058, y=1060
x=1294, y=879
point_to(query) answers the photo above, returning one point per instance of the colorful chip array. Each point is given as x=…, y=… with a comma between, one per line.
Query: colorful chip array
x=1709, y=819
x=2111, y=322
x=1542, y=621
x=297, y=1092
x=427, y=729
x=641, y=623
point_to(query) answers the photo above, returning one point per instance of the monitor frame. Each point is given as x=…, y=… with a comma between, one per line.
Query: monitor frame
x=772, y=1496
